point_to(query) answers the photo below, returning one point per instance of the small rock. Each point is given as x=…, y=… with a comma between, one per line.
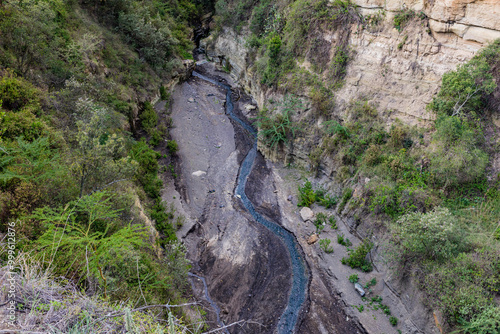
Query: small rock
x=221, y=206
x=199, y=173
x=290, y=198
x=250, y=107
x=190, y=100
x=276, y=191
x=312, y=239
x=238, y=196
x=359, y=289
x=306, y=213
x=367, y=179
x=210, y=94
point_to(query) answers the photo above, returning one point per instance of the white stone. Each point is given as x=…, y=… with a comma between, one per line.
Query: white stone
x=306, y=213
x=199, y=173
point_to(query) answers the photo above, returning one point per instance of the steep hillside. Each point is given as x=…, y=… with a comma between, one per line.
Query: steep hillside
x=83, y=159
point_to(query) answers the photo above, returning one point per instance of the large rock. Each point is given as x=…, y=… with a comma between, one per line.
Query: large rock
x=312, y=239
x=306, y=214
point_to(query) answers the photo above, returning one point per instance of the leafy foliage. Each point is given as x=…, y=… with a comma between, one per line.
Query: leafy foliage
x=432, y=235
x=402, y=18
x=324, y=244
x=149, y=118
x=357, y=257
x=463, y=90
x=278, y=129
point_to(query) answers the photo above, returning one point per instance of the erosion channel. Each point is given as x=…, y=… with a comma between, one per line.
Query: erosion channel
x=246, y=265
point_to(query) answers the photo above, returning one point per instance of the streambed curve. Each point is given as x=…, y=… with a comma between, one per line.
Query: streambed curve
x=300, y=278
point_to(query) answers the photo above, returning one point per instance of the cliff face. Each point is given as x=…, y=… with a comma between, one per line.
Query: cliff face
x=471, y=20
x=400, y=71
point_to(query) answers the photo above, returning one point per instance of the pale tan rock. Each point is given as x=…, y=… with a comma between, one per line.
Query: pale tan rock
x=312, y=239
x=481, y=35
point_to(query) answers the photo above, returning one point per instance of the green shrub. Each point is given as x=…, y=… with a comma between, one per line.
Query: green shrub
x=485, y=322
x=320, y=222
x=155, y=138
x=371, y=283
x=328, y=201
x=458, y=157
x=393, y=321
x=17, y=94
x=164, y=95
x=279, y=128
x=402, y=18
x=357, y=257
x=341, y=239
x=332, y=222
x=354, y=278
x=148, y=117
x=172, y=147
x=433, y=235
x=324, y=244
x=463, y=91
x=306, y=195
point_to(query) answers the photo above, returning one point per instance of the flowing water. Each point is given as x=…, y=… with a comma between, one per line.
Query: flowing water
x=297, y=297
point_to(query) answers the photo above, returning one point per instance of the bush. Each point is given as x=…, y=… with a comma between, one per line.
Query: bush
x=277, y=129
x=164, y=95
x=354, y=278
x=393, y=321
x=341, y=239
x=17, y=94
x=457, y=157
x=333, y=222
x=357, y=257
x=324, y=244
x=434, y=235
x=463, y=91
x=156, y=137
x=485, y=322
x=149, y=118
x=401, y=18
x=320, y=222
x=172, y=147
x=306, y=195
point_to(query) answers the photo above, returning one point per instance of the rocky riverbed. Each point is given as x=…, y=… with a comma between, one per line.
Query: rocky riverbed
x=246, y=267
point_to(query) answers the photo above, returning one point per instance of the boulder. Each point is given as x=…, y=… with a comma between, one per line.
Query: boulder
x=199, y=173
x=306, y=214
x=312, y=239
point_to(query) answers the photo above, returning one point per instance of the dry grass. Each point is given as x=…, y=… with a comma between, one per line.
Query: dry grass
x=46, y=304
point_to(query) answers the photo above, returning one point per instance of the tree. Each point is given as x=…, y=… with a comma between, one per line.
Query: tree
x=434, y=235
x=457, y=156
x=28, y=30
x=100, y=158
x=462, y=90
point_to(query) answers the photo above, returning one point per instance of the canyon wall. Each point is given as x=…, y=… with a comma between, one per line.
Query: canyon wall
x=400, y=71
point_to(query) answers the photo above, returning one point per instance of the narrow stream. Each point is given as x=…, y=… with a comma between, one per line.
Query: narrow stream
x=210, y=301
x=297, y=297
